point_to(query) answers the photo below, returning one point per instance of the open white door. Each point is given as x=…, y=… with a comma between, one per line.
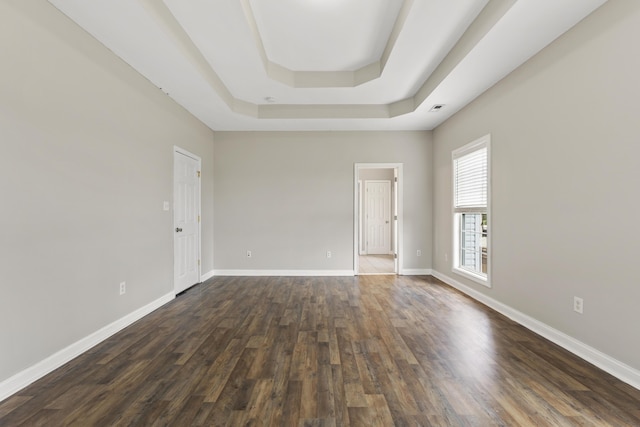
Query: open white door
x=186, y=219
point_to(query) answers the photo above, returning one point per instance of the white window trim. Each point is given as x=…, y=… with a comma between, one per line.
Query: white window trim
x=468, y=148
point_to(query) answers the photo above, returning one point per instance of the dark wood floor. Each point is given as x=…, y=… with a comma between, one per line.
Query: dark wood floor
x=368, y=351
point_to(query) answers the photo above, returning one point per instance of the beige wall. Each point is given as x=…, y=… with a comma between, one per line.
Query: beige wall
x=288, y=197
x=86, y=164
x=565, y=146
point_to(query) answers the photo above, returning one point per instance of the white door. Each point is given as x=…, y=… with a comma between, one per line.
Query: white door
x=378, y=216
x=186, y=220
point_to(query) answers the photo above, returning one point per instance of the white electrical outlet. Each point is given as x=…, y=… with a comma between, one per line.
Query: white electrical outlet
x=446, y=257
x=328, y=254
x=248, y=254
x=418, y=252
x=123, y=288
x=578, y=305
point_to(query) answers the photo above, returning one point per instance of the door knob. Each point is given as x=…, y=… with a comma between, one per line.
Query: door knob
x=178, y=230
x=386, y=222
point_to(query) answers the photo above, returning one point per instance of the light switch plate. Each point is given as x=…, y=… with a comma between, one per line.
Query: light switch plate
x=165, y=206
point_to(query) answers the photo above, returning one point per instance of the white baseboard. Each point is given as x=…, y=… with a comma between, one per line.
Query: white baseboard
x=416, y=272
x=22, y=379
x=318, y=273
x=207, y=276
x=603, y=361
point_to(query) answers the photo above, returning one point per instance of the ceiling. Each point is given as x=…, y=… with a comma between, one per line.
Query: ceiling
x=325, y=64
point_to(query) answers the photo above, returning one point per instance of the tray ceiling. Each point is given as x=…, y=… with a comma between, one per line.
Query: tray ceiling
x=325, y=64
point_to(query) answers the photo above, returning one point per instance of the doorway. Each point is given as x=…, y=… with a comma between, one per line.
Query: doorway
x=186, y=219
x=378, y=218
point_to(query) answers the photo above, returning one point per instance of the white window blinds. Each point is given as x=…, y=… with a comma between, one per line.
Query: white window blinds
x=470, y=179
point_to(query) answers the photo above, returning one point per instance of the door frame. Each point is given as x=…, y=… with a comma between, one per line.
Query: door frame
x=398, y=168
x=176, y=152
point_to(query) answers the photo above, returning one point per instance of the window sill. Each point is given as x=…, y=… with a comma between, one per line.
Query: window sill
x=483, y=280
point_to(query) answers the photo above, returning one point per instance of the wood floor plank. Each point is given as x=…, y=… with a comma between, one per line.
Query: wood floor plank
x=139, y=406
x=291, y=407
x=218, y=374
x=12, y=403
x=339, y=396
x=368, y=379
x=45, y=417
x=259, y=409
x=382, y=414
x=305, y=351
x=74, y=395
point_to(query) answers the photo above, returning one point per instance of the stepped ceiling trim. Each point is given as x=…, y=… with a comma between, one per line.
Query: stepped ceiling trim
x=320, y=79
x=490, y=15
x=210, y=57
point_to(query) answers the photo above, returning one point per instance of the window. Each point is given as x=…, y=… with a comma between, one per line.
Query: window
x=471, y=210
